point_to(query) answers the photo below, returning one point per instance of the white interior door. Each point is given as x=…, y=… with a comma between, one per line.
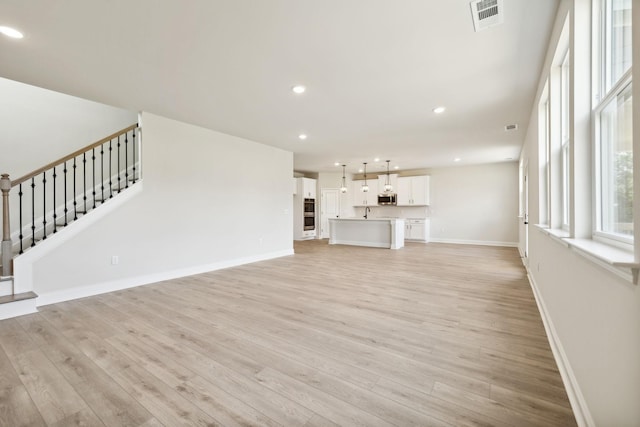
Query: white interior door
x=330, y=208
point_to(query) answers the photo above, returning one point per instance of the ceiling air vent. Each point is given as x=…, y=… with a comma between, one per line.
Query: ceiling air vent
x=511, y=127
x=486, y=13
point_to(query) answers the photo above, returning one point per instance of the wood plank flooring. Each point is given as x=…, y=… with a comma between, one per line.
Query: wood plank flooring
x=429, y=335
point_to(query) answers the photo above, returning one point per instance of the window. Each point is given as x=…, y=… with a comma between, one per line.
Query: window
x=613, y=121
x=544, y=159
x=564, y=142
x=616, y=165
x=616, y=41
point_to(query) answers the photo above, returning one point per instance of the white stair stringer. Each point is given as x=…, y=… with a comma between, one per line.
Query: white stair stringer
x=83, y=208
x=23, y=264
x=6, y=286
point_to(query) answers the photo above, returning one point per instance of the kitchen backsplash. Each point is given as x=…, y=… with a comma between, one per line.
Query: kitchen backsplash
x=395, y=211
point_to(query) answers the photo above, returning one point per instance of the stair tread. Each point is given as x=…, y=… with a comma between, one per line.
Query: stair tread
x=17, y=297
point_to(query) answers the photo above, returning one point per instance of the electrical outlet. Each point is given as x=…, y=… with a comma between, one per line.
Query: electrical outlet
x=115, y=260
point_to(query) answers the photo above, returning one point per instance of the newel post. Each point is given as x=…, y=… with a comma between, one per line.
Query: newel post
x=7, y=251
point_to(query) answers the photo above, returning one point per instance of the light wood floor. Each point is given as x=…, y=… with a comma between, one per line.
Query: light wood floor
x=427, y=335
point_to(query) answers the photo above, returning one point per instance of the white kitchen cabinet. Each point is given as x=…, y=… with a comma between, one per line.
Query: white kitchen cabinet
x=360, y=198
x=307, y=187
x=416, y=229
x=393, y=180
x=413, y=190
x=307, y=234
x=304, y=210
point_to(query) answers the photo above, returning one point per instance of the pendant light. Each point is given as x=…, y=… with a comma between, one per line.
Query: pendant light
x=387, y=185
x=343, y=188
x=365, y=187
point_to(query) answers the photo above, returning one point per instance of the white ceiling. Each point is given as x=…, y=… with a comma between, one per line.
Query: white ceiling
x=374, y=70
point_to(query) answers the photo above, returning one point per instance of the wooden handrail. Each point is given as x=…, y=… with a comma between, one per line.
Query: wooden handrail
x=71, y=156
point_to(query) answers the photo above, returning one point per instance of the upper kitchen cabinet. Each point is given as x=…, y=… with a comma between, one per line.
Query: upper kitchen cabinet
x=360, y=198
x=413, y=190
x=307, y=188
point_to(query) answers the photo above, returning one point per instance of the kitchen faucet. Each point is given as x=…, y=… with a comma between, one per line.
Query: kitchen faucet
x=366, y=211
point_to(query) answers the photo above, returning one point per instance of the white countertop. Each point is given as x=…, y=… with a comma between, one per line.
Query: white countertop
x=366, y=219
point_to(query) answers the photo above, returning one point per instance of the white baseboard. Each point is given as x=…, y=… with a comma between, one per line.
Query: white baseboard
x=17, y=308
x=47, y=298
x=474, y=242
x=576, y=398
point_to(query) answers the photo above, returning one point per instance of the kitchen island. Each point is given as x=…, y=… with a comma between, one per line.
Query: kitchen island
x=373, y=232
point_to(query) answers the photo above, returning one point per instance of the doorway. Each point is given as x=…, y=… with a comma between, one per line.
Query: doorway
x=329, y=208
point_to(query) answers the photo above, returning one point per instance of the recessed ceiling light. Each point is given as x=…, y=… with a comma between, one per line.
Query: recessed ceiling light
x=11, y=32
x=439, y=110
x=298, y=89
x=396, y=167
x=302, y=136
x=360, y=170
x=457, y=159
x=377, y=159
x=336, y=164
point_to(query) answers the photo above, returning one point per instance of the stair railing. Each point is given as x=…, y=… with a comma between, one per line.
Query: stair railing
x=53, y=196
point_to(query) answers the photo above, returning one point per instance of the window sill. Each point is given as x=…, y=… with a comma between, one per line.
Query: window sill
x=557, y=234
x=617, y=260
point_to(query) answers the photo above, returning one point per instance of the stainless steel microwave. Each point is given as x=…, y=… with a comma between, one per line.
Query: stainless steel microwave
x=387, y=199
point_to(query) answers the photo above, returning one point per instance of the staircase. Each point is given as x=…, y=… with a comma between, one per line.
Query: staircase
x=41, y=204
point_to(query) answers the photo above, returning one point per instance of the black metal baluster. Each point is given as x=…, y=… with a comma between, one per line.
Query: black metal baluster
x=55, y=216
x=84, y=181
x=110, y=170
x=134, y=155
x=33, y=212
x=126, y=160
x=119, y=186
x=44, y=205
x=20, y=193
x=66, y=211
x=75, y=202
x=93, y=169
x=102, y=171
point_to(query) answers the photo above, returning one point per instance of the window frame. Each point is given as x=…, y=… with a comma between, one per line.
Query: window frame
x=606, y=237
x=544, y=156
x=604, y=92
x=565, y=141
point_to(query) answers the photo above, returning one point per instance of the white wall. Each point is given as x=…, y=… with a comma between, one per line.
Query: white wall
x=594, y=315
x=208, y=200
x=40, y=126
x=475, y=204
